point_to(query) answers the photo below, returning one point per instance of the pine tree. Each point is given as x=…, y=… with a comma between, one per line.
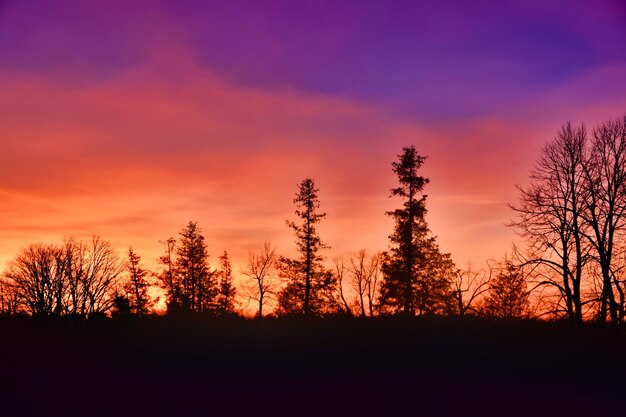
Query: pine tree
x=310, y=287
x=417, y=276
x=226, y=294
x=137, y=286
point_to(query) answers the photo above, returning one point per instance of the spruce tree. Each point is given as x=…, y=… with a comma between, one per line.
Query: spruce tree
x=417, y=276
x=198, y=289
x=310, y=287
x=137, y=286
x=226, y=289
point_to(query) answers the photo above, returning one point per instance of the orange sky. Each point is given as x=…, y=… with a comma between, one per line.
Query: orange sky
x=135, y=160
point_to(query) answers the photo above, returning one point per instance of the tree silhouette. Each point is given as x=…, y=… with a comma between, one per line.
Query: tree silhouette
x=550, y=217
x=197, y=281
x=189, y=283
x=469, y=287
x=507, y=296
x=417, y=276
x=75, y=278
x=9, y=300
x=605, y=204
x=38, y=278
x=341, y=271
x=573, y=217
x=363, y=273
x=94, y=270
x=261, y=270
x=170, y=281
x=137, y=286
x=226, y=290
x=309, y=288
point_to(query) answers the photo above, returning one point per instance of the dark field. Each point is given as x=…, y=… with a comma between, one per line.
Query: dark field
x=430, y=367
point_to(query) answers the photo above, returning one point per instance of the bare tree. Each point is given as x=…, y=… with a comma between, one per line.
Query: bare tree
x=76, y=278
x=550, y=218
x=469, y=286
x=605, y=204
x=261, y=270
x=9, y=300
x=37, y=277
x=339, y=266
x=366, y=272
x=103, y=268
x=372, y=286
x=361, y=274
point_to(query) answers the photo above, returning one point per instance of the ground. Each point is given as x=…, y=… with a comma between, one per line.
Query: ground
x=384, y=367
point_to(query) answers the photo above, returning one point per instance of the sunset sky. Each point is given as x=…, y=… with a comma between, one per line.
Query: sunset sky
x=128, y=119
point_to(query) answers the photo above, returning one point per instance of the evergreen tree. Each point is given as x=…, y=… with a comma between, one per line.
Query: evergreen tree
x=226, y=294
x=507, y=296
x=189, y=283
x=198, y=286
x=170, y=281
x=310, y=287
x=417, y=276
x=137, y=286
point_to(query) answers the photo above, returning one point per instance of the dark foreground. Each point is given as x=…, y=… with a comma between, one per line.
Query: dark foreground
x=437, y=367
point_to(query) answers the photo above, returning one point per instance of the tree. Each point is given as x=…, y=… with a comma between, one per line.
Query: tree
x=137, y=286
x=226, y=291
x=121, y=305
x=9, y=301
x=605, y=207
x=507, y=296
x=309, y=288
x=197, y=283
x=469, y=287
x=261, y=271
x=364, y=274
x=38, y=277
x=93, y=271
x=75, y=278
x=340, y=272
x=189, y=283
x=170, y=281
x=417, y=276
x=550, y=217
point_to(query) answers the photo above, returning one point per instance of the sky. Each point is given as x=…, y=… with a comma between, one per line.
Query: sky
x=129, y=119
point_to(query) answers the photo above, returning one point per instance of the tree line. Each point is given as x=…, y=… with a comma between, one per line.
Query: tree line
x=568, y=264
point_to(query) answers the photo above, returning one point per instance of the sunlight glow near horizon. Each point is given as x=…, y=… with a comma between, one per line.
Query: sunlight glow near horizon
x=129, y=121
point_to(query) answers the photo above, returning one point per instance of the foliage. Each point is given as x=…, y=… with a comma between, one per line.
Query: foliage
x=417, y=276
x=136, y=287
x=309, y=287
x=189, y=283
x=507, y=295
x=226, y=289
